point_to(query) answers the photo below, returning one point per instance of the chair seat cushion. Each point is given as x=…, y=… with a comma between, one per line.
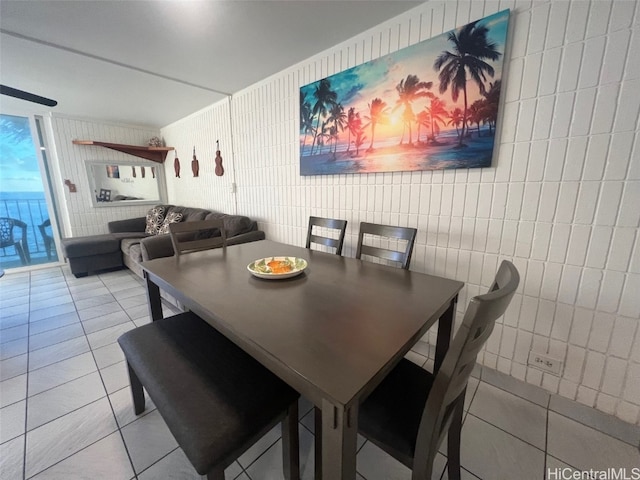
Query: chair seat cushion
x=391, y=414
x=212, y=395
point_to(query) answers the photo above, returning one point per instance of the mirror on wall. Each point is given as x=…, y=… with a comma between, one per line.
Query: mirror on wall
x=120, y=183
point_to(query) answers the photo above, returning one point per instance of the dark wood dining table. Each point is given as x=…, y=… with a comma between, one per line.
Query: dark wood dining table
x=332, y=333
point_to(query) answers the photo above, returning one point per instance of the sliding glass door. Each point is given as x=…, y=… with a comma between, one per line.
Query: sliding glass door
x=28, y=232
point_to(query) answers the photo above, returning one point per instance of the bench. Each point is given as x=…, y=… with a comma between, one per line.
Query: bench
x=216, y=400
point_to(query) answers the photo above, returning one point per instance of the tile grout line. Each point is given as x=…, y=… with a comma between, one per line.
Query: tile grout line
x=26, y=392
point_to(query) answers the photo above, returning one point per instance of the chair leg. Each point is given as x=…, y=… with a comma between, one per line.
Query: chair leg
x=291, y=444
x=453, y=444
x=317, y=432
x=136, y=391
x=21, y=253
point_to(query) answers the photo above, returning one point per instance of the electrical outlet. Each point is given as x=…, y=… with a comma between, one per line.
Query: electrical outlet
x=545, y=362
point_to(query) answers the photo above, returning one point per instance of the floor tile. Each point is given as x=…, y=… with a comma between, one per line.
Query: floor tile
x=105, y=321
x=375, y=464
x=51, y=337
x=515, y=415
x=13, y=390
x=148, y=440
x=13, y=348
x=13, y=367
x=56, y=440
x=93, y=301
x=59, y=351
x=53, y=322
x=122, y=404
x=12, y=459
x=599, y=420
x=65, y=398
x=115, y=377
x=10, y=321
x=269, y=465
x=176, y=466
x=129, y=292
x=61, y=372
x=485, y=449
x=50, y=302
x=52, y=311
x=271, y=437
x=21, y=298
x=109, y=335
x=99, y=310
x=14, y=333
x=510, y=384
x=82, y=293
x=134, y=301
x=12, y=420
x=108, y=355
x=14, y=310
x=49, y=292
x=140, y=311
x=105, y=459
x=585, y=448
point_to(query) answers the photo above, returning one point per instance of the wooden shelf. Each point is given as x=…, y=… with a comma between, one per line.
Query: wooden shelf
x=155, y=154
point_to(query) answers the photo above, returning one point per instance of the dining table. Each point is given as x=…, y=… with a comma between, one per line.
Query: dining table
x=332, y=332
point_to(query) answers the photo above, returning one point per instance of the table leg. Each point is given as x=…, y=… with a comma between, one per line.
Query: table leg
x=153, y=297
x=339, y=439
x=445, y=333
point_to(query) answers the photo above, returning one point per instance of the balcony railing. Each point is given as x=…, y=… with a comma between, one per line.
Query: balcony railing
x=34, y=213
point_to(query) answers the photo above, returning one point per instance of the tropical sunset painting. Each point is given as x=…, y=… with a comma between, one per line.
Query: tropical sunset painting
x=430, y=106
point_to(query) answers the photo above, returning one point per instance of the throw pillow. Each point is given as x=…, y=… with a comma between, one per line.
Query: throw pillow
x=172, y=217
x=155, y=216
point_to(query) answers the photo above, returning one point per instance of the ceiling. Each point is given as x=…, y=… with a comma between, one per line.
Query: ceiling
x=152, y=62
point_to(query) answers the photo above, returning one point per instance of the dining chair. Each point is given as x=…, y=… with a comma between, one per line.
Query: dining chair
x=216, y=400
x=403, y=257
x=7, y=238
x=411, y=411
x=188, y=237
x=329, y=223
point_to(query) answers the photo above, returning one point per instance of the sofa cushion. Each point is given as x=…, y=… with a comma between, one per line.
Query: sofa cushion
x=172, y=217
x=127, y=243
x=190, y=214
x=233, y=224
x=135, y=252
x=155, y=217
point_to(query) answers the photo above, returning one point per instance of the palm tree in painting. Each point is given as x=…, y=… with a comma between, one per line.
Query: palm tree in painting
x=353, y=124
x=437, y=114
x=325, y=99
x=470, y=48
x=423, y=119
x=409, y=90
x=306, y=118
x=378, y=114
x=359, y=141
x=477, y=112
x=492, y=97
x=456, y=118
x=339, y=120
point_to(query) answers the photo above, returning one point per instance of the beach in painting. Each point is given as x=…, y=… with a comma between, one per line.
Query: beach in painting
x=430, y=106
x=393, y=157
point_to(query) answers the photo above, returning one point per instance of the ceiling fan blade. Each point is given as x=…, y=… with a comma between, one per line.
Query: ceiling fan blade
x=29, y=97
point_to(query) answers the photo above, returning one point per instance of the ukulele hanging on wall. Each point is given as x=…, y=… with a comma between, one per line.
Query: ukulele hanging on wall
x=176, y=165
x=195, y=165
x=219, y=168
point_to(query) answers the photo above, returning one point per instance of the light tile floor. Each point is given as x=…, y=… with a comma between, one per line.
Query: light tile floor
x=66, y=410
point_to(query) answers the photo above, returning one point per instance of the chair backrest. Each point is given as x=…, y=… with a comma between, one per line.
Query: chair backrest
x=6, y=231
x=450, y=382
x=337, y=243
x=199, y=235
x=403, y=257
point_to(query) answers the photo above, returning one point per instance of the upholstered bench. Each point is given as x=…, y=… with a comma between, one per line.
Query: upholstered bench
x=92, y=253
x=216, y=400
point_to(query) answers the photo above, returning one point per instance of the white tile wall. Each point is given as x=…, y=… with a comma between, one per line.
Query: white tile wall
x=561, y=199
x=79, y=217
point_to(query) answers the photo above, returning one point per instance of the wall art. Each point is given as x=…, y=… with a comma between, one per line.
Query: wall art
x=429, y=106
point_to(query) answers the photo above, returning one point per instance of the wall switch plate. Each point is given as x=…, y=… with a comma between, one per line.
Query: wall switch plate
x=545, y=363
